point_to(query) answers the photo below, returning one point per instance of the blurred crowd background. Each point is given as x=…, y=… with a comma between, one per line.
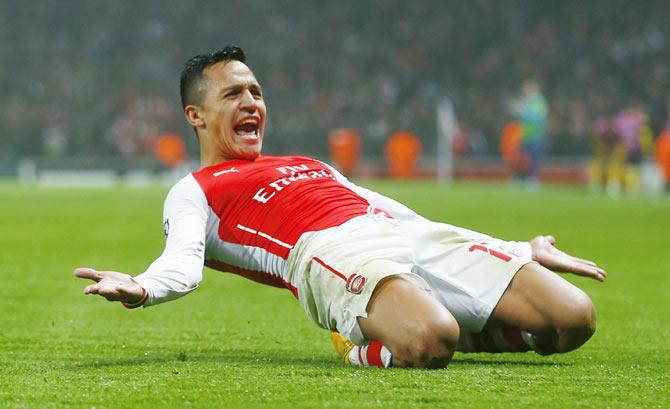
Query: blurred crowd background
x=95, y=79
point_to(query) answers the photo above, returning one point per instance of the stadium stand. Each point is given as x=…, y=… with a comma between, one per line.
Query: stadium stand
x=100, y=79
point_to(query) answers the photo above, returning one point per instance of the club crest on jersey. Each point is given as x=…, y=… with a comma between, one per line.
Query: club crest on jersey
x=356, y=283
x=166, y=227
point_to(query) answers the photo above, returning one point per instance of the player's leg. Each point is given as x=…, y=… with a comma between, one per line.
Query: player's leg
x=416, y=329
x=420, y=335
x=560, y=316
x=383, y=308
x=481, y=284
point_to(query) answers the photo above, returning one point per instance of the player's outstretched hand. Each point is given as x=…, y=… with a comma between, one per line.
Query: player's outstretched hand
x=112, y=285
x=554, y=259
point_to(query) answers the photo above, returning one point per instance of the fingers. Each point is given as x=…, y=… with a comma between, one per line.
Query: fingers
x=542, y=240
x=588, y=270
x=105, y=289
x=576, y=265
x=113, y=290
x=591, y=273
x=97, y=276
x=87, y=272
x=91, y=289
x=112, y=285
x=577, y=259
x=592, y=265
x=589, y=267
x=598, y=273
x=586, y=262
x=558, y=261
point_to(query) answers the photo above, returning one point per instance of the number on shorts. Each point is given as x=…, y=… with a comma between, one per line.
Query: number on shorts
x=494, y=253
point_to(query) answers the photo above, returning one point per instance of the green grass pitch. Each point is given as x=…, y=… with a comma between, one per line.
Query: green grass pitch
x=234, y=343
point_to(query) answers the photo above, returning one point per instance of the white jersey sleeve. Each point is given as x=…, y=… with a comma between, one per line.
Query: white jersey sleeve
x=396, y=209
x=178, y=270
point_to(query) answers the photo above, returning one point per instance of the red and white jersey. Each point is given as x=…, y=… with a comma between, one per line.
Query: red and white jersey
x=245, y=217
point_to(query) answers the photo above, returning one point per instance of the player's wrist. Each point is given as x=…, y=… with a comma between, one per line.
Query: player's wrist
x=140, y=302
x=535, y=248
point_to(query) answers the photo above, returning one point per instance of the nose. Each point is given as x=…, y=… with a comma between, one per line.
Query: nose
x=248, y=102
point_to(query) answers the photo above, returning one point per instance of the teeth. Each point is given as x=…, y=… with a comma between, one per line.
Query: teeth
x=248, y=127
x=249, y=121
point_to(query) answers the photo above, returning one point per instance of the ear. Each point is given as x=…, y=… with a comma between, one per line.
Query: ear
x=193, y=117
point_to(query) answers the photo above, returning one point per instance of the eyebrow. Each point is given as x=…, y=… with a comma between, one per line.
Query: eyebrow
x=239, y=87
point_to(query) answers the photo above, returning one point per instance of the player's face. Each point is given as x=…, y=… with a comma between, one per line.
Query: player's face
x=233, y=110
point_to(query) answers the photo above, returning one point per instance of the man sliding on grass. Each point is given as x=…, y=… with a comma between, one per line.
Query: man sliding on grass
x=406, y=291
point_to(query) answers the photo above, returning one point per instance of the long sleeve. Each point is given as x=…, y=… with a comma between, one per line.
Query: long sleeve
x=178, y=270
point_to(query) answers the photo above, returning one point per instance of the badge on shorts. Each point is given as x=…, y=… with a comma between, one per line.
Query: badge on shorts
x=356, y=283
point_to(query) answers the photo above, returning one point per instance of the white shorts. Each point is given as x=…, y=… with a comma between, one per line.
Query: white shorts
x=337, y=269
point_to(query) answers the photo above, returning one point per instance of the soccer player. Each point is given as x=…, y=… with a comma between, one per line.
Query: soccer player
x=531, y=111
x=401, y=287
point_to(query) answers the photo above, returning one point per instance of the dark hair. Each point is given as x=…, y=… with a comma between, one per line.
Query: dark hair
x=192, y=74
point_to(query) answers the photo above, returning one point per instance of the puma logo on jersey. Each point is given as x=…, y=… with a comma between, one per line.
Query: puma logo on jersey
x=221, y=172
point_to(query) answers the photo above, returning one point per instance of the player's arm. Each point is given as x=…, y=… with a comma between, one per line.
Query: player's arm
x=178, y=270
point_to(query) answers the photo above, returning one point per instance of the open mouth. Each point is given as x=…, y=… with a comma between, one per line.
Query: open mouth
x=247, y=128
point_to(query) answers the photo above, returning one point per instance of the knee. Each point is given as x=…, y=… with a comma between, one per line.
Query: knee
x=431, y=345
x=577, y=325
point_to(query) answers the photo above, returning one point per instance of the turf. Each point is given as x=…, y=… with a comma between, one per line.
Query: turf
x=233, y=343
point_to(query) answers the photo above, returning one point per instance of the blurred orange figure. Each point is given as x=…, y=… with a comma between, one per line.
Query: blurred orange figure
x=170, y=150
x=402, y=152
x=663, y=156
x=510, y=147
x=345, y=149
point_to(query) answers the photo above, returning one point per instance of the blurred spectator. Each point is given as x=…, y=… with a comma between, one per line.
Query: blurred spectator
x=170, y=150
x=531, y=111
x=403, y=150
x=54, y=138
x=510, y=148
x=631, y=125
x=609, y=157
x=662, y=153
x=345, y=150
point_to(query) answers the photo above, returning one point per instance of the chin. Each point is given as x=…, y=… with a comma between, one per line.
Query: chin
x=249, y=155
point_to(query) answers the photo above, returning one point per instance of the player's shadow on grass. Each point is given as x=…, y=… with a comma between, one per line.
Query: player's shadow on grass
x=219, y=357
x=531, y=361
x=272, y=358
